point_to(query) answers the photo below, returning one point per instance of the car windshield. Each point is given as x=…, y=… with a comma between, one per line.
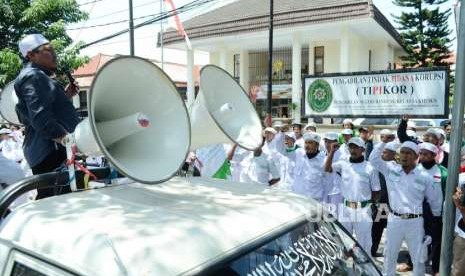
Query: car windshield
x=313, y=248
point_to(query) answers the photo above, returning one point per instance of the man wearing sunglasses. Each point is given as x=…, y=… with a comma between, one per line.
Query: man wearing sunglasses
x=44, y=107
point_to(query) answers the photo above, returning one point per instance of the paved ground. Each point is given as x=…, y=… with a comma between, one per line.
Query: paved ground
x=402, y=258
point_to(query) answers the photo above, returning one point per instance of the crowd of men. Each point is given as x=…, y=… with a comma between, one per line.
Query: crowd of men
x=396, y=184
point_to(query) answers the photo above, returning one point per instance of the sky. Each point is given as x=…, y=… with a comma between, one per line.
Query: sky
x=106, y=12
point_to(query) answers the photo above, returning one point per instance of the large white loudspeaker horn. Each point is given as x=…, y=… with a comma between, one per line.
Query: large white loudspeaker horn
x=137, y=119
x=223, y=113
x=8, y=101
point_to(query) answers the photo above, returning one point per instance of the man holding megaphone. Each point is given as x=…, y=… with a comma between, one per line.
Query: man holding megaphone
x=44, y=107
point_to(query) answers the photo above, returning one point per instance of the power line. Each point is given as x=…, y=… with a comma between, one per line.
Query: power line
x=121, y=41
x=90, y=2
x=112, y=22
x=182, y=9
x=121, y=11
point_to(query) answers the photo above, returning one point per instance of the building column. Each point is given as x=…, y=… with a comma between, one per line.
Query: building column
x=190, y=78
x=224, y=58
x=296, y=77
x=244, y=70
x=311, y=58
x=344, y=50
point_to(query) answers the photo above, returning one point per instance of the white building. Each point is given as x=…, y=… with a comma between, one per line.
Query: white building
x=310, y=37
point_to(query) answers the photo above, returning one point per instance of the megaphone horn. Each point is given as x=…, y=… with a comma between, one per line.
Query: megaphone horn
x=137, y=119
x=223, y=113
x=110, y=131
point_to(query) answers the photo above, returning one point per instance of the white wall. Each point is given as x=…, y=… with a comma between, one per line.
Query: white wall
x=331, y=55
x=381, y=55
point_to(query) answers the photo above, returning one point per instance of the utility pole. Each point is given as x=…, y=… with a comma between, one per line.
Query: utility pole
x=131, y=30
x=455, y=145
x=270, y=69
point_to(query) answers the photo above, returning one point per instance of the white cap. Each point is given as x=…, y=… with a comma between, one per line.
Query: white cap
x=441, y=132
x=410, y=145
x=309, y=136
x=5, y=131
x=290, y=134
x=30, y=42
x=428, y=147
x=411, y=133
x=392, y=146
x=411, y=124
x=311, y=124
x=333, y=136
x=269, y=129
x=347, y=131
x=433, y=131
x=347, y=121
x=386, y=132
x=278, y=124
x=357, y=141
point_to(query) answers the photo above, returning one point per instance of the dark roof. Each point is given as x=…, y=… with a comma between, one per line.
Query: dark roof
x=253, y=15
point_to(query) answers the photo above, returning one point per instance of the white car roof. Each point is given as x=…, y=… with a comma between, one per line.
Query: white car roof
x=166, y=229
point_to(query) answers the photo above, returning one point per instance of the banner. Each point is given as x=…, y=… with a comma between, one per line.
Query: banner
x=419, y=93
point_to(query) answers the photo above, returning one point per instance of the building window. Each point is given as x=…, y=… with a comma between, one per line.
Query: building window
x=237, y=66
x=369, y=60
x=282, y=79
x=319, y=61
x=83, y=99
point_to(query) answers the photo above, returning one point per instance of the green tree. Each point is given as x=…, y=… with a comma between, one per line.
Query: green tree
x=424, y=31
x=49, y=17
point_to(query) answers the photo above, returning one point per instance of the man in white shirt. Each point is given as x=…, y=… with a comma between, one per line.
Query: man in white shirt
x=10, y=173
x=380, y=207
x=270, y=145
x=459, y=241
x=433, y=225
x=297, y=129
x=9, y=147
x=259, y=167
x=309, y=175
x=359, y=183
x=333, y=196
x=347, y=134
x=287, y=160
x=310, y=127
x=407, y=187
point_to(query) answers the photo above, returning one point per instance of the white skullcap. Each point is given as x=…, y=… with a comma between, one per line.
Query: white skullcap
x=30, y=42
x=269, y=129
x=277, y=124
x=333, y=136
x=5, y=131
x=411, y=124
x=410, y=145
x=312, y=137
x=411, y=133
x=386, y=132
x=357, y=141
x=290, y=134
x=311, y=124
x=347, y=131
x=347, y=121
x=428, y=147
x=441, y=132
x=392, y=146
x=433, y=131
